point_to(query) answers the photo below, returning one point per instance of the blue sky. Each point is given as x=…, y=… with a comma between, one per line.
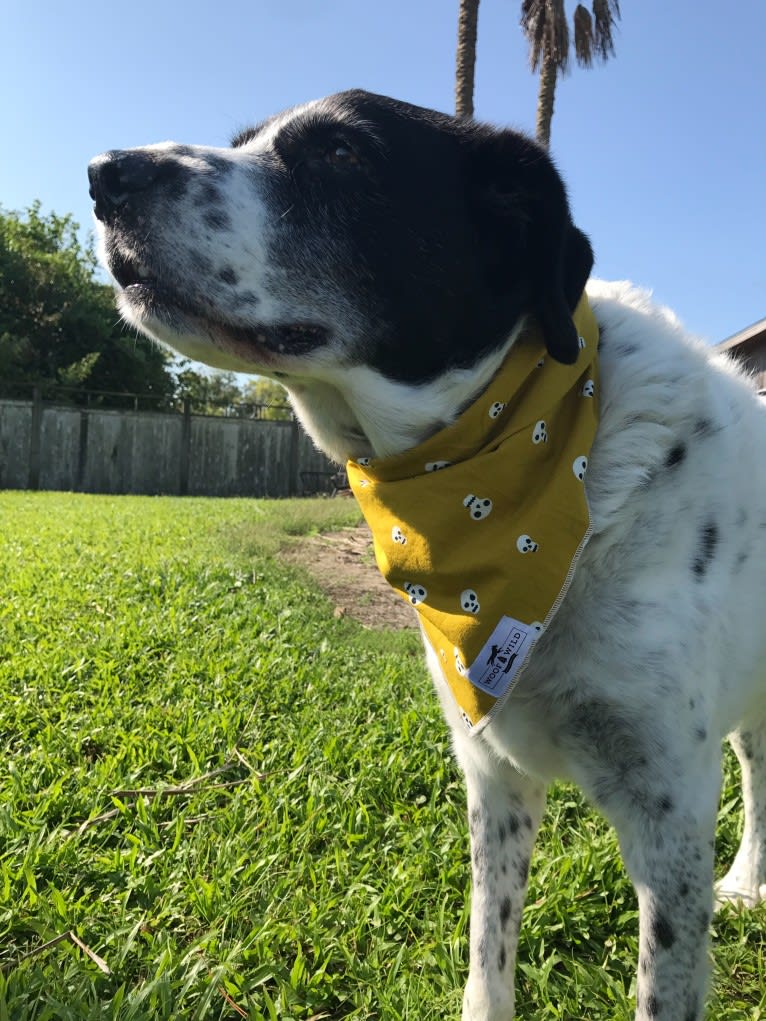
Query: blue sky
x=663, y=149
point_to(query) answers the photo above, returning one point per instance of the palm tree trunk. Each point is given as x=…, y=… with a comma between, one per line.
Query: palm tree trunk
x=545, y=97
x=468, y=18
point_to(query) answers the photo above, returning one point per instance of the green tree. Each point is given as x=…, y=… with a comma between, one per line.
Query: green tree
x=270, y=398
x=465, y=65
x=209, y=393
x=58, y=324
x=545, y=25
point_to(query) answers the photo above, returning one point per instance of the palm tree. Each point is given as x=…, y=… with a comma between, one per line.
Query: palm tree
x=545, y=25
x=468, y=18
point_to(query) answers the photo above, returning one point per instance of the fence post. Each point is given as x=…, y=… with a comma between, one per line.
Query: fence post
x=292, y=470
x=35, y=438
x=183, y=467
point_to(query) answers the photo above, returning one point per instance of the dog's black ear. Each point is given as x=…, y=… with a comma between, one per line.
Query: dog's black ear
x=557, y=295
x=523, y=216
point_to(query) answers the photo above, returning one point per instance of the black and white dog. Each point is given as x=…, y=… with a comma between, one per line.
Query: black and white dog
x=380, y=260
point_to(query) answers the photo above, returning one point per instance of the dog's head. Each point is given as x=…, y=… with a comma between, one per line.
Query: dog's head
x=354, y=230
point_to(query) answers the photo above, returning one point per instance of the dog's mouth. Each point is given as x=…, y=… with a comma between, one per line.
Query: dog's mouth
x=149, y=298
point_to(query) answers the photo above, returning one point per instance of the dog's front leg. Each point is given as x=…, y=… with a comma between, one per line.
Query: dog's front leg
x=668, y=852
x=504, y=812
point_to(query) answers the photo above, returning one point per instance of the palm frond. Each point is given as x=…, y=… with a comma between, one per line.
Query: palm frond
x=533, y=26
x=606, y=14
x=583, y=36
x=545, y=25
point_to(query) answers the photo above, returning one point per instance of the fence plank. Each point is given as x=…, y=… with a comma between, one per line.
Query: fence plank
x=35, y=438
x=15, y=444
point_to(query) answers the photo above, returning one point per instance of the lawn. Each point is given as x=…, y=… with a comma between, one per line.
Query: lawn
x=242, y=807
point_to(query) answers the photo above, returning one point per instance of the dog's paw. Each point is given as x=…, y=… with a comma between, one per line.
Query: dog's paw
x=734, y=890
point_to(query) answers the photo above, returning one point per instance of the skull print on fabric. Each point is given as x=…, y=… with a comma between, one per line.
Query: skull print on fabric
x=540, y=432
x=478, y=506
x=416, y=593
x=480, y=526
x=579, y=467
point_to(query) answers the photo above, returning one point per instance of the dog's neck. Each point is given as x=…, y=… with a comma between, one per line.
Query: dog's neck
x=357, y=412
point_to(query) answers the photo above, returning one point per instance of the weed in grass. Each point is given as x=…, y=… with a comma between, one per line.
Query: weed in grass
x=318, y=866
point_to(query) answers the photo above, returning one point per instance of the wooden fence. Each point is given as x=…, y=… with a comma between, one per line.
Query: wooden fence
x=45, y=445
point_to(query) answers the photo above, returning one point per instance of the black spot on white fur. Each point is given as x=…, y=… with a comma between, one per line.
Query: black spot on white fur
x=216, y=219
x=505, y=912
x=662, y=932
x=228, y=276
x=704, y=427
x=209, y=193
x=706, y=548
x=676, y=456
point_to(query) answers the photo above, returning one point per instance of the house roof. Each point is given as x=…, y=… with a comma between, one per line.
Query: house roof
x=750, y=335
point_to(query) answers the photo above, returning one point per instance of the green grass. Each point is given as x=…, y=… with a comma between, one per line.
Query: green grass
x=324, y=872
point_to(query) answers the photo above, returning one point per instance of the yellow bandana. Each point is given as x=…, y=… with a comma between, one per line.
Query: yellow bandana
x=481, y=525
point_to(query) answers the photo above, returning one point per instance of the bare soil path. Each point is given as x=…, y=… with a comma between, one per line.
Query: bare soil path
x=343, y=565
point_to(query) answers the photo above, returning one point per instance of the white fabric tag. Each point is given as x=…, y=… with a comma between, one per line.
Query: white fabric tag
x=502, y=656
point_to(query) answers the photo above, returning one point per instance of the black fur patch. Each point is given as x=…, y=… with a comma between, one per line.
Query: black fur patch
x=505, y=912
x=617, y=749
x=708, y=543
x=663, y=932
x=676, y=456
x=209, y=193
x=664, y=805
x=523, y=868
x=228, y=276
x=704, y=427
x=480, y=218
x=222, y=166
x=216, y=219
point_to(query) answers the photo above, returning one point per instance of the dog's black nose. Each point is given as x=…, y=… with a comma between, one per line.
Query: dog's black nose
x=117, y=175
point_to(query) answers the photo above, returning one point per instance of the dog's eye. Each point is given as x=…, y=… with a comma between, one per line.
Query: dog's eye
x=340, y=154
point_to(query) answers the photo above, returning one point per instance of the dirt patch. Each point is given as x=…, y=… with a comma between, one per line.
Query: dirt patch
x=343, y=565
